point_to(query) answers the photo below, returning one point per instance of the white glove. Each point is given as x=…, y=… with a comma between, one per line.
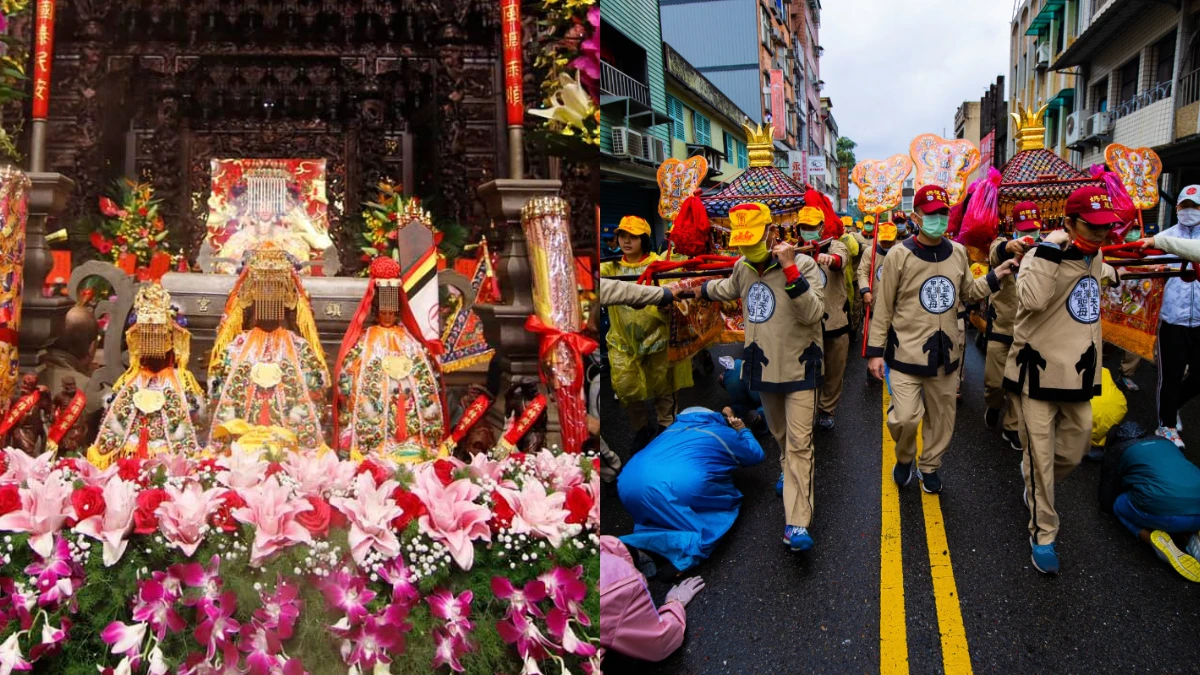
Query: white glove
x=685, y=590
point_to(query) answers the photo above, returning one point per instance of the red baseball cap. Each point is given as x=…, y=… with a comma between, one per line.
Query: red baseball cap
x=1027, y=217
x=1093, y=205
x=931, y=198
x=898, y=217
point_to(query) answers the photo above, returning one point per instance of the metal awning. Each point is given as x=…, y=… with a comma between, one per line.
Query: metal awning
x=1041, y=22
x=780, y=146
x=1112, y=20
x=1064, y=99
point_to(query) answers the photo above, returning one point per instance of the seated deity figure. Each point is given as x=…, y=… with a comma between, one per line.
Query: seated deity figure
x=267, y=366
x=157, y=403
x=388, y=398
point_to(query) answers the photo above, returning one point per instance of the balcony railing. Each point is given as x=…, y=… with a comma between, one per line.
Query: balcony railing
x=1161, y=91
x=617, y=83
x=1189, y=89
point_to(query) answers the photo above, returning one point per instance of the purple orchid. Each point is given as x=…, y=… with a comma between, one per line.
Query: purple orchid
x=455, y=611
x=372, y=642
x=262, y=648
x=219, y=627
x=11, y=657
x=156, y=606
x=448, y=649
x=559, y=624
x=519, y=630
x=53, y=573
x=124, y=639
x=349, y=593
x=522, y=601
x=52, y=639
x=279, y=611
x=194, y=575
x=403, y=581
x=21, y=599
x=566, y=588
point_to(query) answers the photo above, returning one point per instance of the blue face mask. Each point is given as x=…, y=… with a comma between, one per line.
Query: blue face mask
x=934, y=225
x=810, y=235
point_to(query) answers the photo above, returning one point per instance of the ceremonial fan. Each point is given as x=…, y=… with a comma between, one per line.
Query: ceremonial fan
x=880, y=184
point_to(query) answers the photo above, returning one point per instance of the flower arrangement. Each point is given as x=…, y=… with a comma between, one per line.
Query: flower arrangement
x=384, y=218
x=569, y=56
x=308, y=563
x=133, y=232
x=14, y=53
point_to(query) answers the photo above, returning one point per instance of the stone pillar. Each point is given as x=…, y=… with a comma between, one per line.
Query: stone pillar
x=504, y=324
x=42, y=318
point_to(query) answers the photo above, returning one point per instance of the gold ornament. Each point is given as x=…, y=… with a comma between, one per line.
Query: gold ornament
x=397, y=366
x=149, y=401
x=266, y=375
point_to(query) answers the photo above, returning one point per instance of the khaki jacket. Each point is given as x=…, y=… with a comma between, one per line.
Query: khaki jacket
x=864, y=269
x=613, y=292
x=1056, y=349
x=1002, y=306
x=783, y=350
x=917, y=324
x=837, y=306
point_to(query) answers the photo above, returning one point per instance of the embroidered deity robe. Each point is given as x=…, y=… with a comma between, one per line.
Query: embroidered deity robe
x=150, y=413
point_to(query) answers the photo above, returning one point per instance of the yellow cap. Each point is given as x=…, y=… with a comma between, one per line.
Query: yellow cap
x=634, y=225
x=847, y=221
x=810, y=215
x=748, y=223
x=887, y=232
x=868, y=219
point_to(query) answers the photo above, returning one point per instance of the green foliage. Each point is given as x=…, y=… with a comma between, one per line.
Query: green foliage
x=845, y=152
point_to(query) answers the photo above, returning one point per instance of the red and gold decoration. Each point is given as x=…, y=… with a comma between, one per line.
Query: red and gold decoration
x=880, y=182
x=1139, y=169
x=558, y=314
x=677, y=181
x=132, y=235
x=946, y=163
x=510, y=31
x=385, y=218
x=470, y=417
x=14, y=211
x=461, y=330
x=520, y=426
x=43, y=58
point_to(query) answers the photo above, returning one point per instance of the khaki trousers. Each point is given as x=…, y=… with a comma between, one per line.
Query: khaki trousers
x=664, y=412
x=1055, y=437
x=917, y=400
x=1129, y=364
x=790, y=419
x=994, y=394
x=835, y=367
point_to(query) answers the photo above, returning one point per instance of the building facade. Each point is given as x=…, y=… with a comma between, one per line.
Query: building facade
x=805, y=22
x=704, y=121
x=827, y=181
x=966, y=127
x=993, y=127
x=635, y=127
x=1041, y=30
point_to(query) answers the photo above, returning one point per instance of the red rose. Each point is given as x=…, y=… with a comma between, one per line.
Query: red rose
x=411, y=504
x=222, y=518
x=130, y=469
x=272, y=469
x=316, y=520
x=595, y=464
x=377, y=472
x=10, y=499
x=88, y=501
x=337, y=519
x=444, y=471
x=502, y=512
x=121, y=240
x=3, y=462
x=579, y=503
x=144, y=520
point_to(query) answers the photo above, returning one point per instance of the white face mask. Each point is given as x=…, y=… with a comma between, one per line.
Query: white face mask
x=1189, y=217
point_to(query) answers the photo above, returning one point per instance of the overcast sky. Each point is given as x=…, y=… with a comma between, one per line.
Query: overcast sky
x=899, y=68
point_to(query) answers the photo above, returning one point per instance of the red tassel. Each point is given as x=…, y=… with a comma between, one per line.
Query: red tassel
x=143, y=446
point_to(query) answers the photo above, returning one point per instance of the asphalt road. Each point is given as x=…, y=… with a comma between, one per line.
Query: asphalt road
x=1113, y=608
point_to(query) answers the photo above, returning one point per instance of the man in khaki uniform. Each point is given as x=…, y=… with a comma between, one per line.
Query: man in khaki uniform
x=783, y=302
x=1001, y=313
x=1055, y=360
x=916, y=331
x=836, y=332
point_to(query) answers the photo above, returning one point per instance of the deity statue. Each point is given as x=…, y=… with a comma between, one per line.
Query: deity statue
x=24, y=425
x=388, y=397
x=267, y=366
x=156, y=403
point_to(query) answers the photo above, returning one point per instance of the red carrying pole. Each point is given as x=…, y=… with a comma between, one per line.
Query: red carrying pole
x=871, y=286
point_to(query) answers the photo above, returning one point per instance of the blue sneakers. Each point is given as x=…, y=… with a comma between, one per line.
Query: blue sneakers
x=902, y=473
x=779, y=485
x=797, y=538
x=1045, y=560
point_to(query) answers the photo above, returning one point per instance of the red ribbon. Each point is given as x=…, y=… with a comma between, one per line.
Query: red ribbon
x=470, y=417
x=551, y=336
x=524, y=423
x=707, y=262
x=19, y=410
x=69, y=416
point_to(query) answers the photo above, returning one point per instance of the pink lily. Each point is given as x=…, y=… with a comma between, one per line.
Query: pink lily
x=558, y=471
x=483, y=467
x=537, y=513
x=271, y=511
x=155, y=606
x=318, y=473
x=522, y=601
x=11, y=657
x=371, y=512
x=452, y=517
x=23, y=467
x=560, y=629
x=124, y=639
x=94, y=477
x=44, y=508
x=113, y=526
x=184, y=513
x=218, y=628
x=176, y=465
x=279, y=611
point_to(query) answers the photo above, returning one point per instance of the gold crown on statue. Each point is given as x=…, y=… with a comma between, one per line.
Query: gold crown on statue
x=414, y=213
x=269, y=276
x=760, y=144
x=1031, y=130
x=153, y=305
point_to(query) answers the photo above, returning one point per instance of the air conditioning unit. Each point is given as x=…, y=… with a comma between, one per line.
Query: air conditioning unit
x=620, y=141
x=658, y=150
x=1073, y=129
x=1098, y=125
x=636, y=143
x=1043, y=56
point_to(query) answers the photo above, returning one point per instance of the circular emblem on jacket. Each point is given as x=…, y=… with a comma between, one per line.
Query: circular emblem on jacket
x=938, y=294
x=824, y=277
x=760, y=303
x=1084, y=301
x=878, y=273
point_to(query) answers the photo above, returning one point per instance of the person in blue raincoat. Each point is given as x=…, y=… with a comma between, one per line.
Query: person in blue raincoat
x=679, y=489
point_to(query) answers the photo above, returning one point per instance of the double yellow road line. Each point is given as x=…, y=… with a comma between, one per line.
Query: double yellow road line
x=893, y=629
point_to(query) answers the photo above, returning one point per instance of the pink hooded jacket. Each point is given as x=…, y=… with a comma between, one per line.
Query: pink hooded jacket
x=629, y=621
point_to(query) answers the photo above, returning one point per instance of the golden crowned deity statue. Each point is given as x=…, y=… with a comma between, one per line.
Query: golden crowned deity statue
x=267, y=367
x=388, y=399
x=157, y=403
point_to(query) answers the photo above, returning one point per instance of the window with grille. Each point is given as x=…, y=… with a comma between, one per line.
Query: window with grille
x=1129, y=79
x=701, y=129
x=1164, y=55
x=675, y=112
x=1100, y=95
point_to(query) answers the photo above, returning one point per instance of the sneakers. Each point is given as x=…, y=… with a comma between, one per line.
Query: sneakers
x=825, y=421
x=991, y=418
x=1170, y=434
x=797, y=538
x=1193, y=546
x=1013, y=438
x=1129, y=384
x=1186, y=565
x=902, y=473
x=1045, y=560
x=930, y=482
x=779, y=485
